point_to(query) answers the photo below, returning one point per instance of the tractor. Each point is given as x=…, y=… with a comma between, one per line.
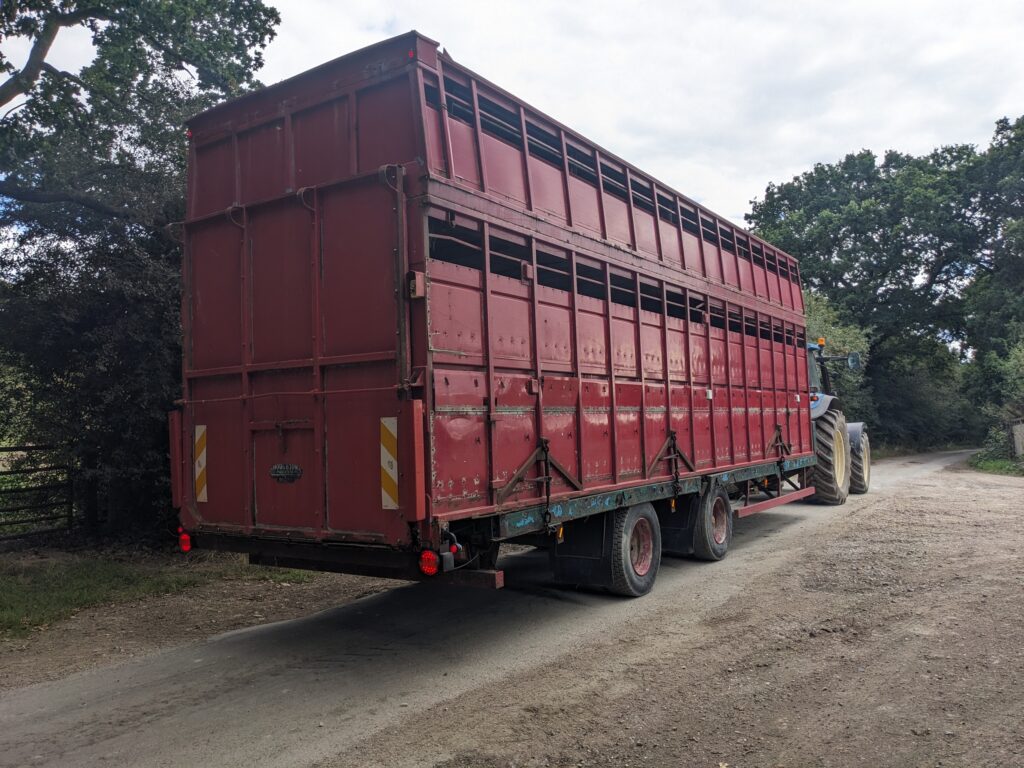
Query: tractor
x=843, y=450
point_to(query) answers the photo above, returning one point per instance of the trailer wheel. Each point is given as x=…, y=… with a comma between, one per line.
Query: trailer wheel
x=636, y=550
x=860, y=465
x=830, y=476
x=712, y=529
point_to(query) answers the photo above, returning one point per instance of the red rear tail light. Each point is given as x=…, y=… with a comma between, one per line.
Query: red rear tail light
x=184, y=540
x=430, y=563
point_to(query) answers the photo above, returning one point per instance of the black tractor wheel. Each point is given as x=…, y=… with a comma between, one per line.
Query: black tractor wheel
x=860, y=465
x=636, y=550
x=712, y=529
x=831, y=475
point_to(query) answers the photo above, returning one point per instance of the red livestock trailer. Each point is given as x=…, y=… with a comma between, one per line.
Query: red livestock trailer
x=421, y=318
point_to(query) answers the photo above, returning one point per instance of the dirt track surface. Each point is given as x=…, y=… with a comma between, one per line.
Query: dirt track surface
x=887, y=632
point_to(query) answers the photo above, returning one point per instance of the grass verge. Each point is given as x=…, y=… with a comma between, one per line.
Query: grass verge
x=997, y=466
x=37, y=593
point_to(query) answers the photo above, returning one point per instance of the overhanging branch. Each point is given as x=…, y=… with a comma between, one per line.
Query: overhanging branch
x=21, y=82
x=29, y=195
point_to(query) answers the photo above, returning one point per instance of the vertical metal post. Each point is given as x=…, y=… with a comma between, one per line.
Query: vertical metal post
x=535, y=321
x=446, y=133
x=600, y=195
x=246, y=399
x=629, y=204
x=577, y=365
x=728, y=385
x=614, y=415
x=565, y=181
x=643, y=375
x=527, y=180
x=746, y=381
x=657, y=224
x=688, y=341
x=319, y=400
x=711, y=379
x=489, y=339
x=666, y=369
x=479, y=134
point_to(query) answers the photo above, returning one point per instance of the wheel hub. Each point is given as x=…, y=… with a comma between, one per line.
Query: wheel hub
x=719, y=522
x=641, y=547
x=839, y=457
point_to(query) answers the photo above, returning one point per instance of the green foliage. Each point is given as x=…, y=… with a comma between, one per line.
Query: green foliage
x=926, y=254
x=890, y=242
x=980, y=461
x=919, y=395
x=995, y=300
x=823, y=321
x=92, y=172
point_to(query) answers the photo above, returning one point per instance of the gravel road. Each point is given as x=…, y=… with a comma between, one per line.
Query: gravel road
x=887, y=632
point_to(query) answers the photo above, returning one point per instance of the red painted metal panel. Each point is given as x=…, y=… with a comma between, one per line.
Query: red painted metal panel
x=656, y=426
x=435, y=141
x=322, y=143
x=384, y=124
x=261, y=162
x=357, y=267
x=510, y=301
x=215, y=296
x=701, y=410
x=281, y=287
x=645, y=226
x=556, y=331
x=651, y=341
x=677, y=358
x=693, y=260
x=212, y=178
x=616, y=218
x=459, y=455
x=671, y=244
x=584, y=200
x=547, y=188
x=739, y=426
x=216, y=406
x=623, y=328
x=503, y=168
x=628, y=444
x=561, y=422
x=755, y=423
x=597, y=439
x=465, y=159
x=515, y=434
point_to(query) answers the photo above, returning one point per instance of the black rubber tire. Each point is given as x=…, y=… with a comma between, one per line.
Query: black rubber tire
x=625, y=579
x=706, y=545
x=828, y=489
x=860, y=465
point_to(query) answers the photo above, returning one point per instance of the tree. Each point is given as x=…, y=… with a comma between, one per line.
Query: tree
x=895, y=245
x=91, y=183
x=891, y=243
x=995, y=301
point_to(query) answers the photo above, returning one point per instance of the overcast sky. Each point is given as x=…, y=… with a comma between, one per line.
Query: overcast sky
x=713, y=98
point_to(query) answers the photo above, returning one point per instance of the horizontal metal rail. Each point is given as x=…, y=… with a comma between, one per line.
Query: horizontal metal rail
x=34, y=496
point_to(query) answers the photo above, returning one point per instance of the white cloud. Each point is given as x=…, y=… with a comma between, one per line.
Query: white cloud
x=716, y=99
